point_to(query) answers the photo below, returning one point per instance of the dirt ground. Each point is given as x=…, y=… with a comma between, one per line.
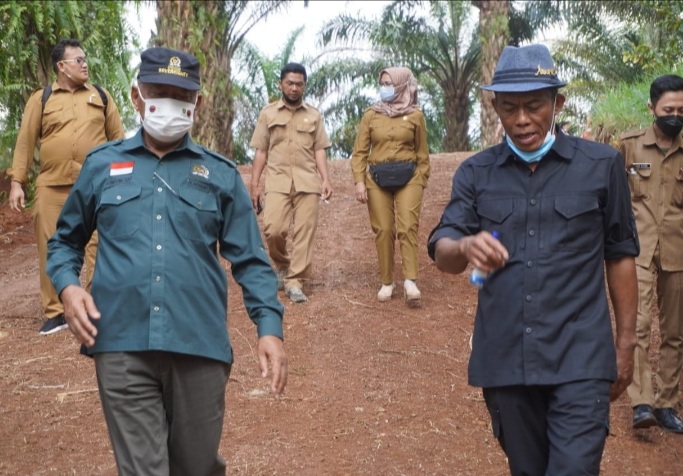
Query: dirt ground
x=374, y=388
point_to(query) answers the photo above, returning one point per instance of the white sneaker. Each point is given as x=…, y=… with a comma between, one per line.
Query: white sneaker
x=412, y=294
x=385, y=293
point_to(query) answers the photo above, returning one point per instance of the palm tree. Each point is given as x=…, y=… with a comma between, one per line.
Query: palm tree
x=212, y=31
x=493, y=36
x=442, y=48
x=608, y=44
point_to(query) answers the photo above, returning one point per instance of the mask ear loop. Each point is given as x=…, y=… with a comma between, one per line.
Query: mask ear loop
x=552, y=123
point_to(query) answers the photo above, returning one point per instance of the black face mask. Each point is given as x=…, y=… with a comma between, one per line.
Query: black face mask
x=670, y=125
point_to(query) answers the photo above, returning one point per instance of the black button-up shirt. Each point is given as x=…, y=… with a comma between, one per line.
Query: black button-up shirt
x=544, y=319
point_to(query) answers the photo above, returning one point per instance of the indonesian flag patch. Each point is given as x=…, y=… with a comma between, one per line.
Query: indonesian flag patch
x=121, y=168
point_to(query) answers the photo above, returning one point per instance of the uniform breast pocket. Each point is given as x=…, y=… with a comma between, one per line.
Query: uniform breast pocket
x=576, y=223
x=53, y=117
x=305, y=134
x=119, y=211
x=96, y=113
x=197, y=214
x=677, y=193
x=277, y=132
x=496, y=215
x=639, y=183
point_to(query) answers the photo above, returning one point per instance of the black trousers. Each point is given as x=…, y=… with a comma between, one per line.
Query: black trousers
x=551, y=429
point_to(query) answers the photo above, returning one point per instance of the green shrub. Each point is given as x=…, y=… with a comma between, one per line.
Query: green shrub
x=623, y=109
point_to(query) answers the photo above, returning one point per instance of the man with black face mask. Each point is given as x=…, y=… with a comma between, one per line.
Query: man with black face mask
x=654, y=164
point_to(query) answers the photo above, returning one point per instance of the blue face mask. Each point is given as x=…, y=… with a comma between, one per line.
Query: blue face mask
x=387, y=93
x=533, y=156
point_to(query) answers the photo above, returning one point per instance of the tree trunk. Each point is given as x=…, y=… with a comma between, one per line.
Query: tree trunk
x=458, y=105
x=493, y=36
x=199, y=28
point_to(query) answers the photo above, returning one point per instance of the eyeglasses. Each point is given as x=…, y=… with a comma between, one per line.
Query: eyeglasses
x=80, y=60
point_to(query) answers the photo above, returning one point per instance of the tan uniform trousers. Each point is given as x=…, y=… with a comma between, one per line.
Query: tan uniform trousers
x=667, y=288
x=396, y=215
x=46, y=209
x=300, y=211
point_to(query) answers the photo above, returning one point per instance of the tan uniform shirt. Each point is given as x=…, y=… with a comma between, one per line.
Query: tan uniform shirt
x=656, y=183
x=290, y=138
x=386, y=139
x=72, y=124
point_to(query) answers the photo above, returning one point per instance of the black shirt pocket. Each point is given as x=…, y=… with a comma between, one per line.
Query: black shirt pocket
x=577, y=223
x=119, y=211
x=497, y=215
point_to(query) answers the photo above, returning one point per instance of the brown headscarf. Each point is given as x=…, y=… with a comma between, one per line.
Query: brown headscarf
x=405, y=87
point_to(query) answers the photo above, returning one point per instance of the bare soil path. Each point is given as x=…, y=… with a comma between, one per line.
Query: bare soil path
x=374, y=388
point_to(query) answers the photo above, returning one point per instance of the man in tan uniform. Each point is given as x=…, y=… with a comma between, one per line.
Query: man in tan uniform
x=654, y=164
x=73, y=120
x=290, y=143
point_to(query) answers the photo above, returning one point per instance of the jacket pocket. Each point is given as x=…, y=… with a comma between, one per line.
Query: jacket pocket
x=119, y=211
x=197, y=213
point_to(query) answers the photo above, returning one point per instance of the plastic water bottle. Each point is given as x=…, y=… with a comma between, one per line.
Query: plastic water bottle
x=477, y=277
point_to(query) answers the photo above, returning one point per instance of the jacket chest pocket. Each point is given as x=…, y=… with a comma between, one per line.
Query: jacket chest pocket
x=576, y=223
x=119, y=211
x=197, y=214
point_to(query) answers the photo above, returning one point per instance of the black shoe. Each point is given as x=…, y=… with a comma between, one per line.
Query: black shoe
x=643, y=417
x=669, y=420
x=53, y=325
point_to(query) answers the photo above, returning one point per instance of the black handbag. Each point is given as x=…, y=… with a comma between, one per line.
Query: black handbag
x=392, y=175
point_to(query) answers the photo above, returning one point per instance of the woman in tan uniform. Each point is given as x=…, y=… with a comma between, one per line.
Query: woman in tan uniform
x=393, y=130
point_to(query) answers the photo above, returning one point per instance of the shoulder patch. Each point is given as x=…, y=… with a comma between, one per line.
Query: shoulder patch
x=631, y=134
x=219, y=157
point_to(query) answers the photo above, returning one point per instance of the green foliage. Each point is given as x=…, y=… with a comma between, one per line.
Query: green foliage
x=32, y=28
x=623, y=108
x=441, y=48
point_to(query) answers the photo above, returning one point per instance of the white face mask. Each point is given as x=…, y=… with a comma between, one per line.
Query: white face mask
x=166, y=119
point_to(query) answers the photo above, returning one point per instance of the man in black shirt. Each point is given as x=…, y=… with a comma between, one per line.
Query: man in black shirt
x=543, y=350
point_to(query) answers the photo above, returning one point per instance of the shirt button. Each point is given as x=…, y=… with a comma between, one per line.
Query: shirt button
x=528, y=330
x=156, y=308
x=532, y=232
x=118, y=197
x=158, y=217
x=529, y=264
x=158, y=278
x=158, y=247
x=532, y=201
x=159, y=189
x=529, y=298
